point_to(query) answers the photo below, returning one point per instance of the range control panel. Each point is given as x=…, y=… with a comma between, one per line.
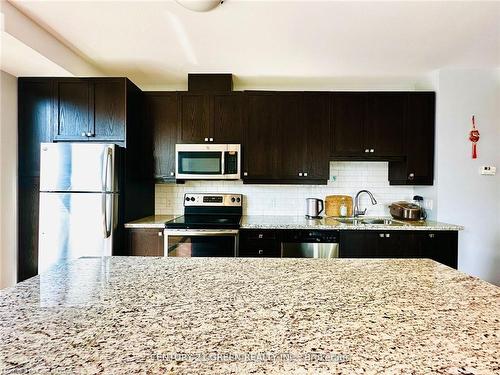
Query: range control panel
x=216, y=200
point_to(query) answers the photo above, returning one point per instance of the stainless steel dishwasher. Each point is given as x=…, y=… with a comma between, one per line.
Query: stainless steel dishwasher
x=310, y=244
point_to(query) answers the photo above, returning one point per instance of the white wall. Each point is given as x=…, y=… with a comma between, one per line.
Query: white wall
x=461, y=194
x=8, y=180
x=345, y=178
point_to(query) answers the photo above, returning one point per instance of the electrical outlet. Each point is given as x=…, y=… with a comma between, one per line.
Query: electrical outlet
x=488, y=170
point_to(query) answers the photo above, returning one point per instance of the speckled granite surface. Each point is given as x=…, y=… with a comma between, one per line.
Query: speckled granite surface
x=125, y=315
x=300, y=222
x=154, y=221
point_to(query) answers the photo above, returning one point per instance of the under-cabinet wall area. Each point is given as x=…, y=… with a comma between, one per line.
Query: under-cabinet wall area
x=345, y=178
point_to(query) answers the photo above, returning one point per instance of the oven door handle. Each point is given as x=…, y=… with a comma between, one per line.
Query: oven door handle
x=200, y=232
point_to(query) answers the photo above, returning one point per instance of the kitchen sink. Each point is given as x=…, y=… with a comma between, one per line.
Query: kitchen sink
x=368, y=221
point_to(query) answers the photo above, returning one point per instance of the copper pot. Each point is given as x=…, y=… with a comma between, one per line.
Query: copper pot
x=405, y=211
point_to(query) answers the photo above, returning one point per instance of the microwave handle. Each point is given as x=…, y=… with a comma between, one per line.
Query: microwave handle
x=223, y=162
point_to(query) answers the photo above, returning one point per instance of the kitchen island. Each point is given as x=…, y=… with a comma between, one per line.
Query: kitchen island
x=220, y=315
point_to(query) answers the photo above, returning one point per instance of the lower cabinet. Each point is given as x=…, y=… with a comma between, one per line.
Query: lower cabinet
x=145, y=242
x=440, y=246
x=259, y=243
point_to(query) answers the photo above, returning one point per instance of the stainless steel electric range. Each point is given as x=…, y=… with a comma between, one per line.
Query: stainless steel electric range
x=209, y=227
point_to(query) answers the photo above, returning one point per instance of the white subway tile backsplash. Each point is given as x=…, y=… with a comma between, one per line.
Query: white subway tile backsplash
x=345, y=178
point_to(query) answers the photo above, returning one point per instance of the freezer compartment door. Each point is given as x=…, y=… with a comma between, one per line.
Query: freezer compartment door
x=78, y=167
x=74, y=225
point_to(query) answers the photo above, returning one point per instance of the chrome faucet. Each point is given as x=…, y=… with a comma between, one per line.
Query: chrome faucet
x=357, y=211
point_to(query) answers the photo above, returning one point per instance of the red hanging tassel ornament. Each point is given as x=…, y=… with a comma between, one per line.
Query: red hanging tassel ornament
x=474, y=137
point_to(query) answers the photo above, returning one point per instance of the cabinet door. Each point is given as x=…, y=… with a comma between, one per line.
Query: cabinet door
x=388, y=244
x=440, y=246
x=162, y=116
x=194, y=118
x=35, y=114
x=73, y=110
x=145, y=242
x=358, y=244
x=347, y=124
x=291, y=142
x=109, y=110
x=384, y=120
x=260, y=141
x=227, y=118
x=317, y=135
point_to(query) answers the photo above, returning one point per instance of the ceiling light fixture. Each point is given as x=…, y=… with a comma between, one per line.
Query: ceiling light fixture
x=200, y=5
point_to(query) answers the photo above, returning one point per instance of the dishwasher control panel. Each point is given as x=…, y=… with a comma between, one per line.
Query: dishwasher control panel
x=311, y=236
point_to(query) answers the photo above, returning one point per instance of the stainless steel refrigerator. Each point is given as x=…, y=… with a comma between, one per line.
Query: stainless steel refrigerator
x=79, y=190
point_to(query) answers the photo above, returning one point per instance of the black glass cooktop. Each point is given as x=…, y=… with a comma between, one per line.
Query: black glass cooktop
x=205, y=222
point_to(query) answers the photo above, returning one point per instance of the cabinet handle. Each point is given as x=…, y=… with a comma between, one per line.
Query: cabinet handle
x=89, y=134
x=245, y=173
x=211, y=139
x=206, y=139
x=84, y=134
x=431, y=235
x=261, y=252
x=367, y=150
x=411, y=176
x=300, y=174
x=381, y=235
x=160, y=234
x=372, y=150
x=305, y=174
x=172, y=173
x=261, y=235
x=387, y=235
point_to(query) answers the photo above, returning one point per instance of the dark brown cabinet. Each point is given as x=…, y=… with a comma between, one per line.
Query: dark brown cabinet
x=91, y=109
x=73, y=114
x=145, y=242
x=368, y=126
x=259, y=243
x=286, y=138
x=162, y=115
x=440, y=246
x=109, y=110
x=418, y=167
x=210, y=118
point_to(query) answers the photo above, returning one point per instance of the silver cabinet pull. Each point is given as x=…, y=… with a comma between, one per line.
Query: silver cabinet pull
x=300, y=174
x=261, y=235
x=84, y=134
x=206, y=139
x=381, y=235
x=211, y=139
x=89, y=134
x=172, y=173
x=431, y=235
x=245, y=173
x=411, y=176
x=305, y=174
x=160, y=234
x=261, y=252
x=387, y=235
x=372, y=150
x=366, y=150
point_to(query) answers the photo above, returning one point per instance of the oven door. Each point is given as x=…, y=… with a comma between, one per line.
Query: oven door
x=200, y=242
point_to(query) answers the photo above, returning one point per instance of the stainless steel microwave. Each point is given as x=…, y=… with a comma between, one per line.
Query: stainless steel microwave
x=207, y=162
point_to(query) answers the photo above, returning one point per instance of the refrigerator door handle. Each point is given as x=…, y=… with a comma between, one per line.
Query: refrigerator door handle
x=107, y=170
x=107, y=227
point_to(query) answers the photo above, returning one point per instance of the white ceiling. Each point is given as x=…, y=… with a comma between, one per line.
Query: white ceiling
x=157, y=43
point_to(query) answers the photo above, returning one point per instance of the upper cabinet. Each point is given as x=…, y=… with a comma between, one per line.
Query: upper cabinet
x=210, y=118
x=162, y=115
x=367, y=126
x=92, y=109
x=286, y=138
x=418, y=166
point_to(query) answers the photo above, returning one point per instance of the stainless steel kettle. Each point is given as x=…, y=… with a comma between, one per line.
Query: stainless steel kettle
x=314, y=207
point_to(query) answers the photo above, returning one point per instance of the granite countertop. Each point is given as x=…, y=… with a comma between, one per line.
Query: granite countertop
x=154, y=221
x=300, y=222
x=233, y=315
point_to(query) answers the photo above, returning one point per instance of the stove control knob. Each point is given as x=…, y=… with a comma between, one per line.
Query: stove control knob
x=233, y=200
x=187, y=199
x=192, y=199
x=238, y=200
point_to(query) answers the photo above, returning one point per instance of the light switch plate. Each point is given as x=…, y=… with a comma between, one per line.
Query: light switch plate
x=488, y=170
